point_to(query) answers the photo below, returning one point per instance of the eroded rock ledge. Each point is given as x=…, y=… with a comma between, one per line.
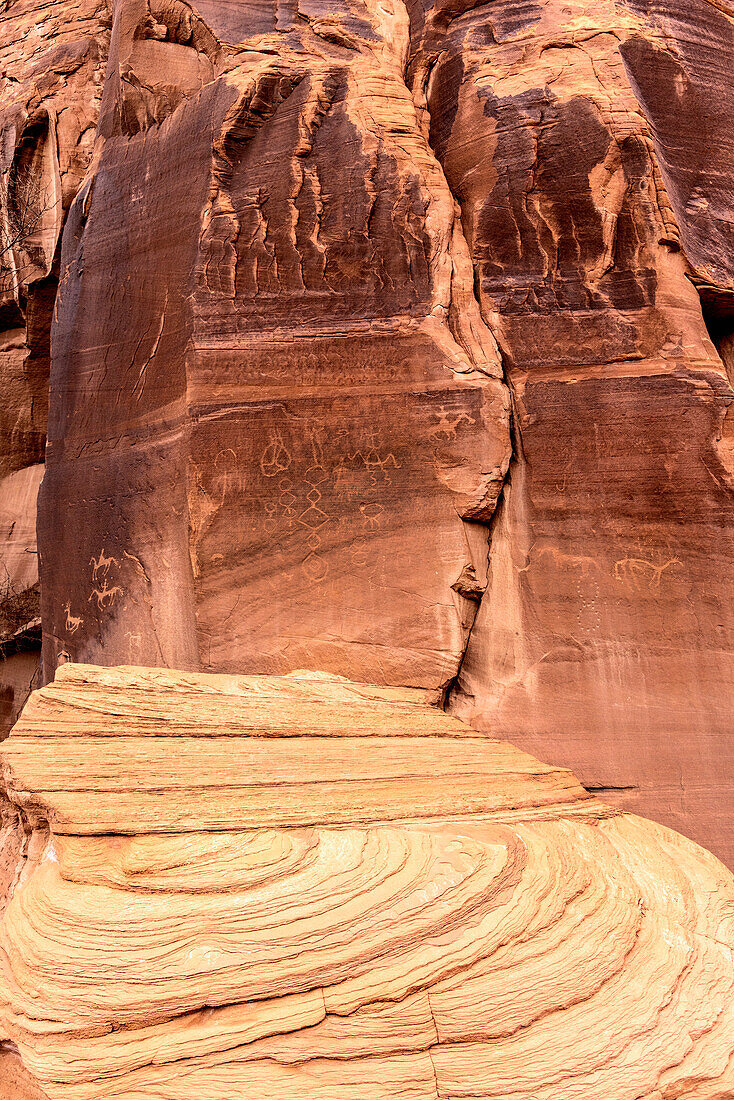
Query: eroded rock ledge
x=227, y=886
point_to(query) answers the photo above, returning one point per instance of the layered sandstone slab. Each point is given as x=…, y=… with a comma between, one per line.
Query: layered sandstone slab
x=305, y=887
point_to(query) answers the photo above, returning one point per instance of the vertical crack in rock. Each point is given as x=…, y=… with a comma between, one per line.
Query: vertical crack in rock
x=457, y=698
x=473, y=332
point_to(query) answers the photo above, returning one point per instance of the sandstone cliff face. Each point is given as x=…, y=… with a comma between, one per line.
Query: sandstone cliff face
x=392, y=340
x=305, y=887
x=52, y=60
x=340, y=277
x=597, y=203
x=298, y=412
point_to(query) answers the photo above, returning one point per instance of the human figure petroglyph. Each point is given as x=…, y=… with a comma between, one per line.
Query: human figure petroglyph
x=276, y=458
x=106, y=596
x=637, y=569
x=372, y=513
x=101, y=566
x=73, y=622
x=225, y=465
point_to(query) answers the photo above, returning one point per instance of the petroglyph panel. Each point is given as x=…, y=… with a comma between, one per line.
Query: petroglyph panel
x=300, y=429
x=303, y=499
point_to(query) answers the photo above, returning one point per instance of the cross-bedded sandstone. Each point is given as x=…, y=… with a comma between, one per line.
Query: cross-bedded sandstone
x=301, y=886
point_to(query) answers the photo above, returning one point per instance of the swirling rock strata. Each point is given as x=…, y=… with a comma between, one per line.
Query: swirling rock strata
x=239, y=886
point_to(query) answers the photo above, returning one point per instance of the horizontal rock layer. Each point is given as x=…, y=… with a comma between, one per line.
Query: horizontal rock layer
x=226, y=886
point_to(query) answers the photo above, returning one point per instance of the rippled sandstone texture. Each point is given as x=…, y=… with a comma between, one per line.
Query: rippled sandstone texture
x=339, y=277
x=227, y=886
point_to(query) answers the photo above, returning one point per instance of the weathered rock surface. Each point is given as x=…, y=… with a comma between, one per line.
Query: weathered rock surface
x=319, y=258
x=590, y=148
x=52, y=58
x=20, y=624
x=305, y=887
x=298, y=417
x=278, y=434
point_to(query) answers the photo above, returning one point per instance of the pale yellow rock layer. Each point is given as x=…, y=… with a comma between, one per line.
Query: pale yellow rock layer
x=305, y=887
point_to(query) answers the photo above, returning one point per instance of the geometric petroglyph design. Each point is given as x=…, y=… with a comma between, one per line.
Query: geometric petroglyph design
x=286, y=500
x=314, y=518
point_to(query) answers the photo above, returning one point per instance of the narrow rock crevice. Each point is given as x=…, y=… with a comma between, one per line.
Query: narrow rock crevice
x=491, y=354
x=473, y=334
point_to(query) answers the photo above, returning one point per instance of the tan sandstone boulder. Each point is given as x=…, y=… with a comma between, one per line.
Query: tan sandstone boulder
x=303, y=887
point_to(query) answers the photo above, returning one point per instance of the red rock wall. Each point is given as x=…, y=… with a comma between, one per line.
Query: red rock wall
x=52, y=59
x=341, y=277
x=285, y=452
x=605, y=637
